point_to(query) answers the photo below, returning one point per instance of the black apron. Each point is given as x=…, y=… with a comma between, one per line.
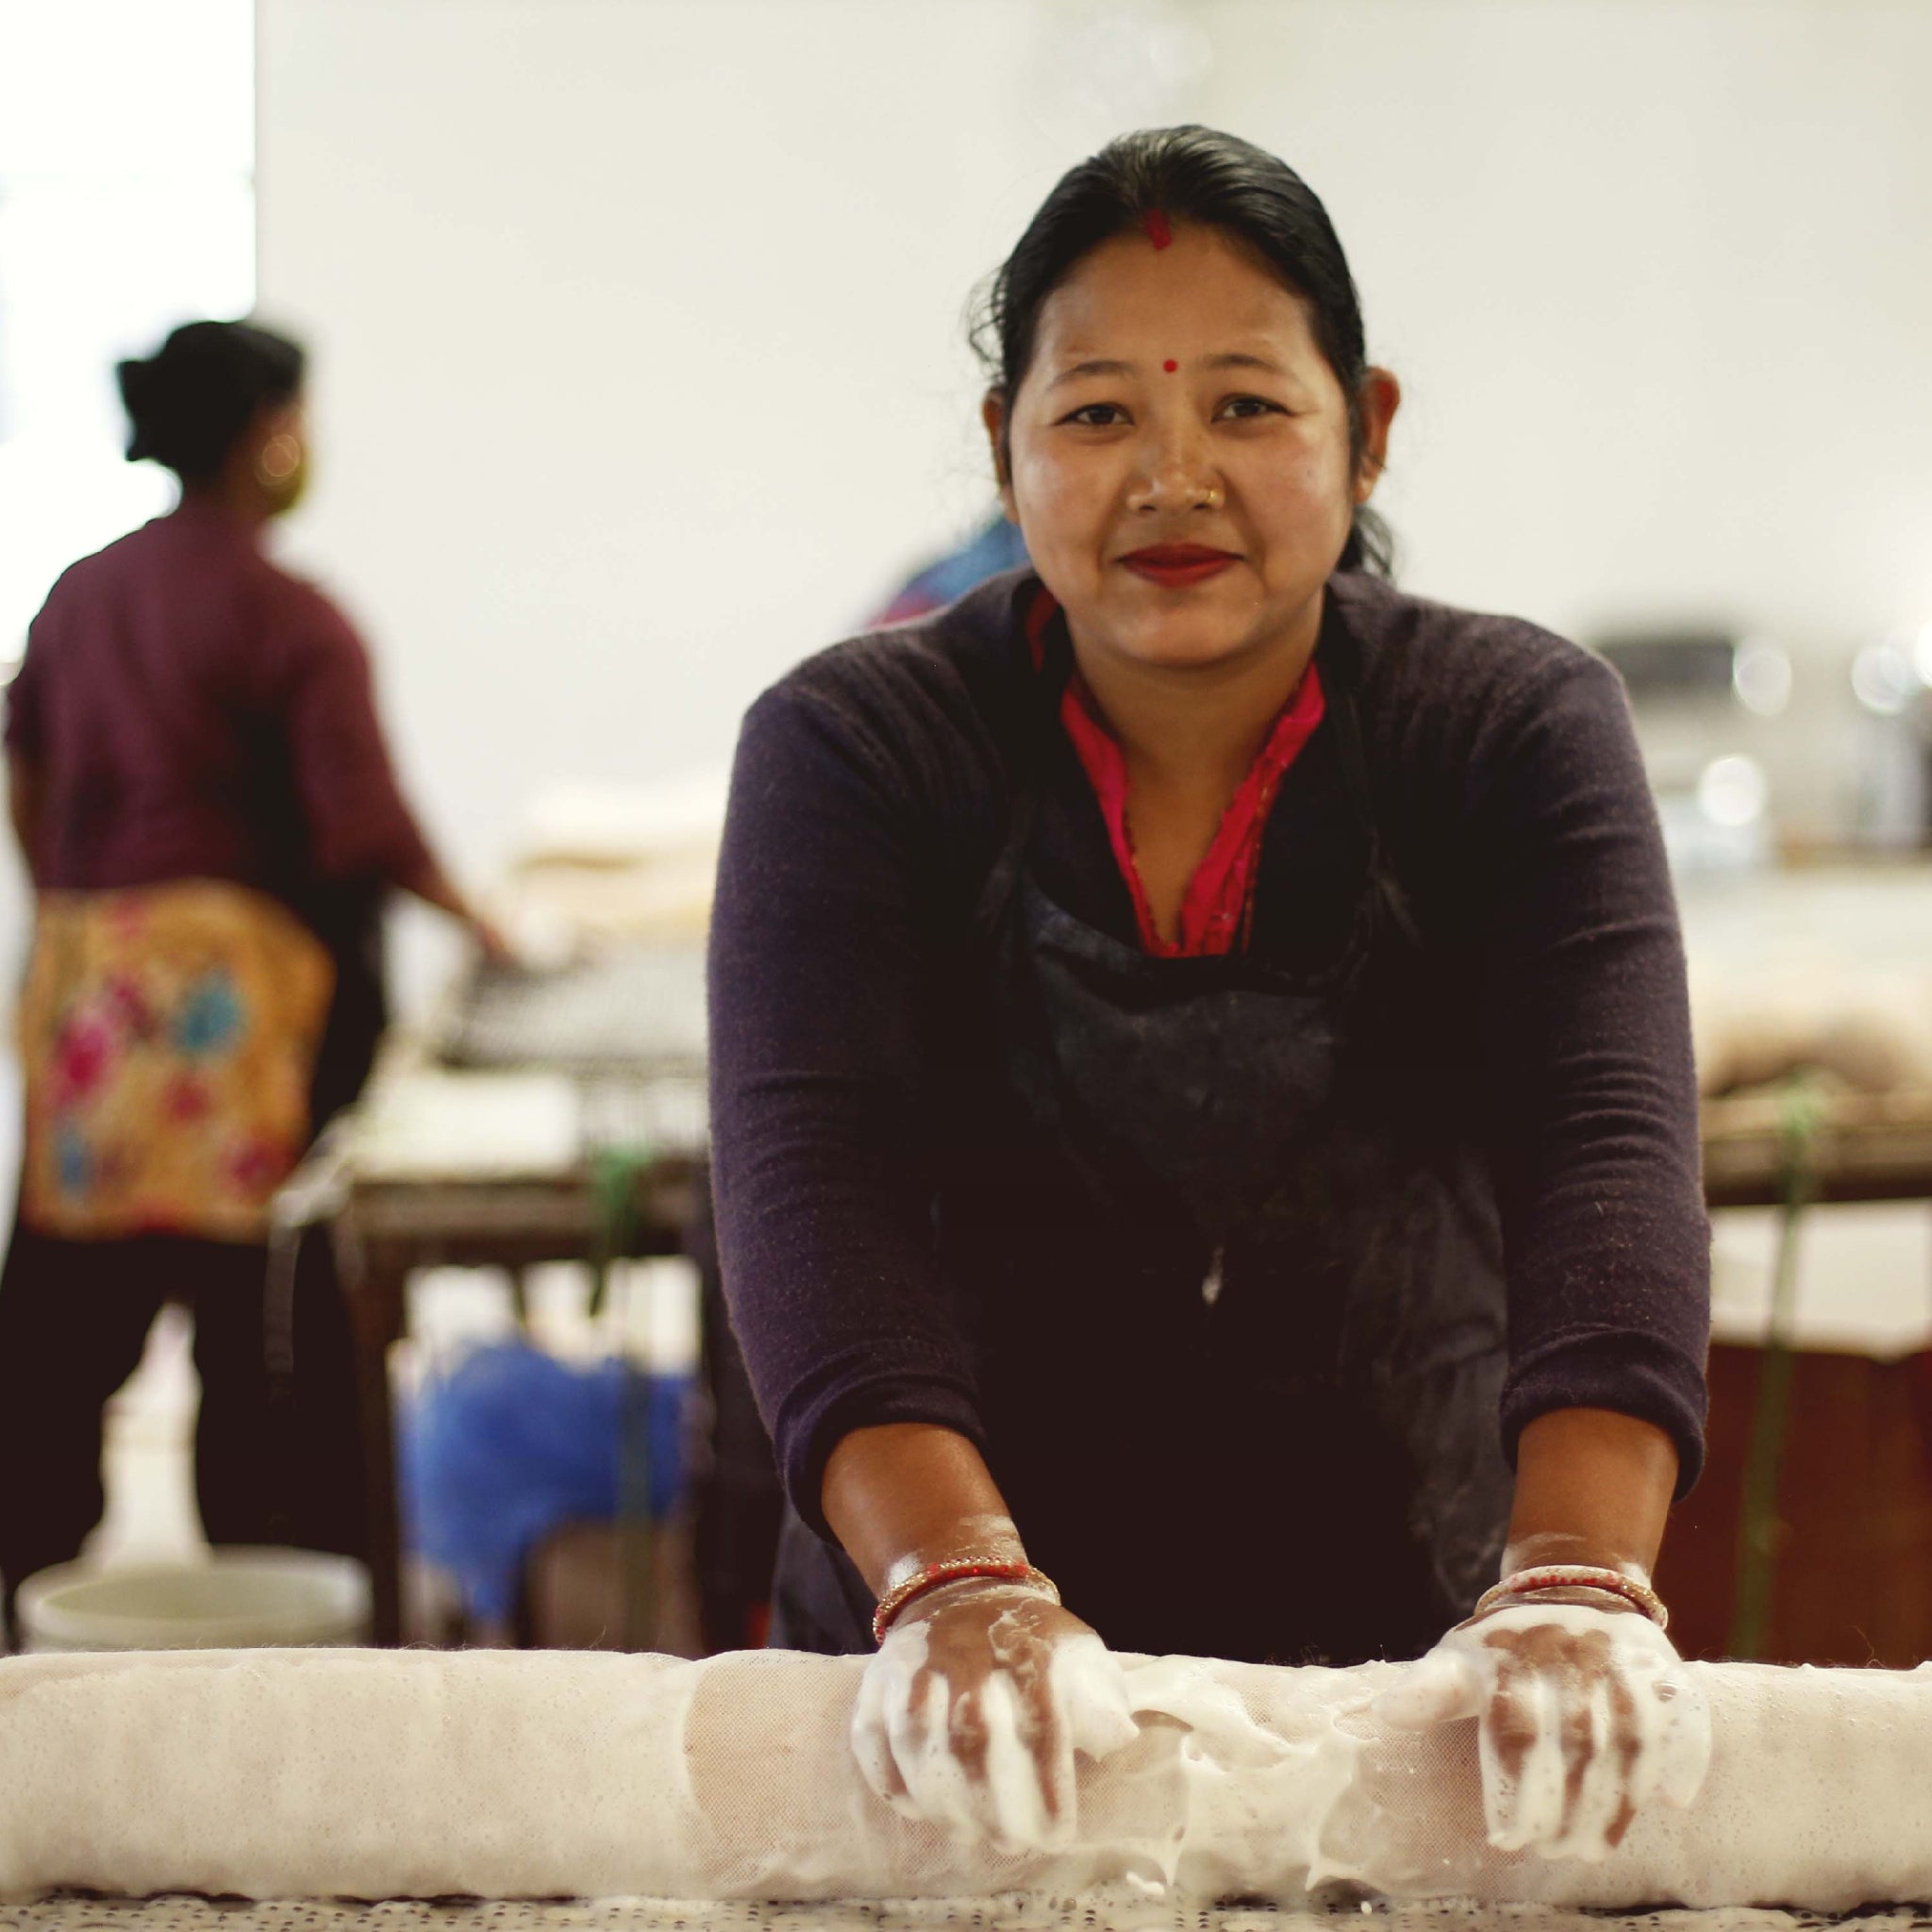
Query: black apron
x=1228, y=1249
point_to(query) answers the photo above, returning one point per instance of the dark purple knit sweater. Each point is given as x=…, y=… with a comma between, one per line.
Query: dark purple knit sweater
x=868, y=800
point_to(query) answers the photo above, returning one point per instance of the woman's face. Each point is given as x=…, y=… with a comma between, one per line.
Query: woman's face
x=1180, y=461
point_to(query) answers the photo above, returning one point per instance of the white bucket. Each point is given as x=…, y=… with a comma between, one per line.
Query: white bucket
x=238, y=1599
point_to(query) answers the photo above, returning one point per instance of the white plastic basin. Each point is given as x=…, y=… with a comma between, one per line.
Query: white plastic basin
x=238, y=1599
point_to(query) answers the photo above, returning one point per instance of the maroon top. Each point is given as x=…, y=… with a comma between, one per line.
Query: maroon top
x=196, y=712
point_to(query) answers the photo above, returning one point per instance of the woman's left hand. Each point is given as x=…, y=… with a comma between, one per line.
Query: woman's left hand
x=1587, y=1714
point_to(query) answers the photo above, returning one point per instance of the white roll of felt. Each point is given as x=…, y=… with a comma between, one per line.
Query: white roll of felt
x=380, y=1774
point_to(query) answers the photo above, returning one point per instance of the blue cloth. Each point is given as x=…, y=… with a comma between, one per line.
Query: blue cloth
x=512, y=1444
x=996, y=546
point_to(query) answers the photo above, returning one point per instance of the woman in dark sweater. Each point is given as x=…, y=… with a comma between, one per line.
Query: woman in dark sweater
x=1203, y=1087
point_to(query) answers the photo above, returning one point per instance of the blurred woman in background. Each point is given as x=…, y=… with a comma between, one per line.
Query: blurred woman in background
x=210, y=821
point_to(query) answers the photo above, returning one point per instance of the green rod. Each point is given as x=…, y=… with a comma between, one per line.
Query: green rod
x=1758, y=1517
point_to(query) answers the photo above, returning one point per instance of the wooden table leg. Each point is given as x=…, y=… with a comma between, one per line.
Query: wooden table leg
x=374, y=1291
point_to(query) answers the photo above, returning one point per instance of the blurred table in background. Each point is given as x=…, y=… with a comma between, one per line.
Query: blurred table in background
x=1829, y=969
x=546, y=1117
x=1872, y=1147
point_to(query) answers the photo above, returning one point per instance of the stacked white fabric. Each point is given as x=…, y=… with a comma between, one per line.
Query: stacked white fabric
x=377, y=1775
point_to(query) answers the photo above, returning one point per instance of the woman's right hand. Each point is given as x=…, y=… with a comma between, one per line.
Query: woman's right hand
x=972, y=1710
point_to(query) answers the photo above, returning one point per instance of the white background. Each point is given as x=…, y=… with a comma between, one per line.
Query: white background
x=640, y=370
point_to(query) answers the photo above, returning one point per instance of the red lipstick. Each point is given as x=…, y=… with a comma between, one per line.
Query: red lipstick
x=1176, y=566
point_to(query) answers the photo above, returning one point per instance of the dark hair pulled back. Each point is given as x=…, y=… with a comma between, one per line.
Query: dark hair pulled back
x=1216, y=181
x=188, y=402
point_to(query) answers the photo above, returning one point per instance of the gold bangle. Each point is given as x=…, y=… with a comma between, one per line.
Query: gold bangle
x=1640, y=1596
x=936, y=1575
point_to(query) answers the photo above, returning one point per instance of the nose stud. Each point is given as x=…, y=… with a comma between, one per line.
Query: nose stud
x=1153, y=497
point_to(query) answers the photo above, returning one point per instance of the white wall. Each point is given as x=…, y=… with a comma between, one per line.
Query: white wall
x=1660, y=277
x=640, y=370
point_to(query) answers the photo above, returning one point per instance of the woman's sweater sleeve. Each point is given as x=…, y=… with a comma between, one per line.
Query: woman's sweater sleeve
x=1586, y=1023
x=821, y=974
x=359, y=823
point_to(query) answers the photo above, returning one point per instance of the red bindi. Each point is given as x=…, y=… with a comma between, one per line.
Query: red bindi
x=1158, y=230
x=1169, y=365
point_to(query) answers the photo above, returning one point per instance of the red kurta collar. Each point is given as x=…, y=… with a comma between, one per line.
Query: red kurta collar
x=1219, y=908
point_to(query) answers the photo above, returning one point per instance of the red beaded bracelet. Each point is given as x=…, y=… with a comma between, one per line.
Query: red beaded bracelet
x=1547, y=1576
x=936, y=1575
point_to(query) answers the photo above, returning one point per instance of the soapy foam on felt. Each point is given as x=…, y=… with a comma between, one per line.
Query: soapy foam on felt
x=901, y=1735
x=429, y=1773
x=1667, y=1739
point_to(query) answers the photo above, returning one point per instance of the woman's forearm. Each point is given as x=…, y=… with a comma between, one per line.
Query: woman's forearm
x=1591, y=1487
x=906, y=1494
x=433, y=886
